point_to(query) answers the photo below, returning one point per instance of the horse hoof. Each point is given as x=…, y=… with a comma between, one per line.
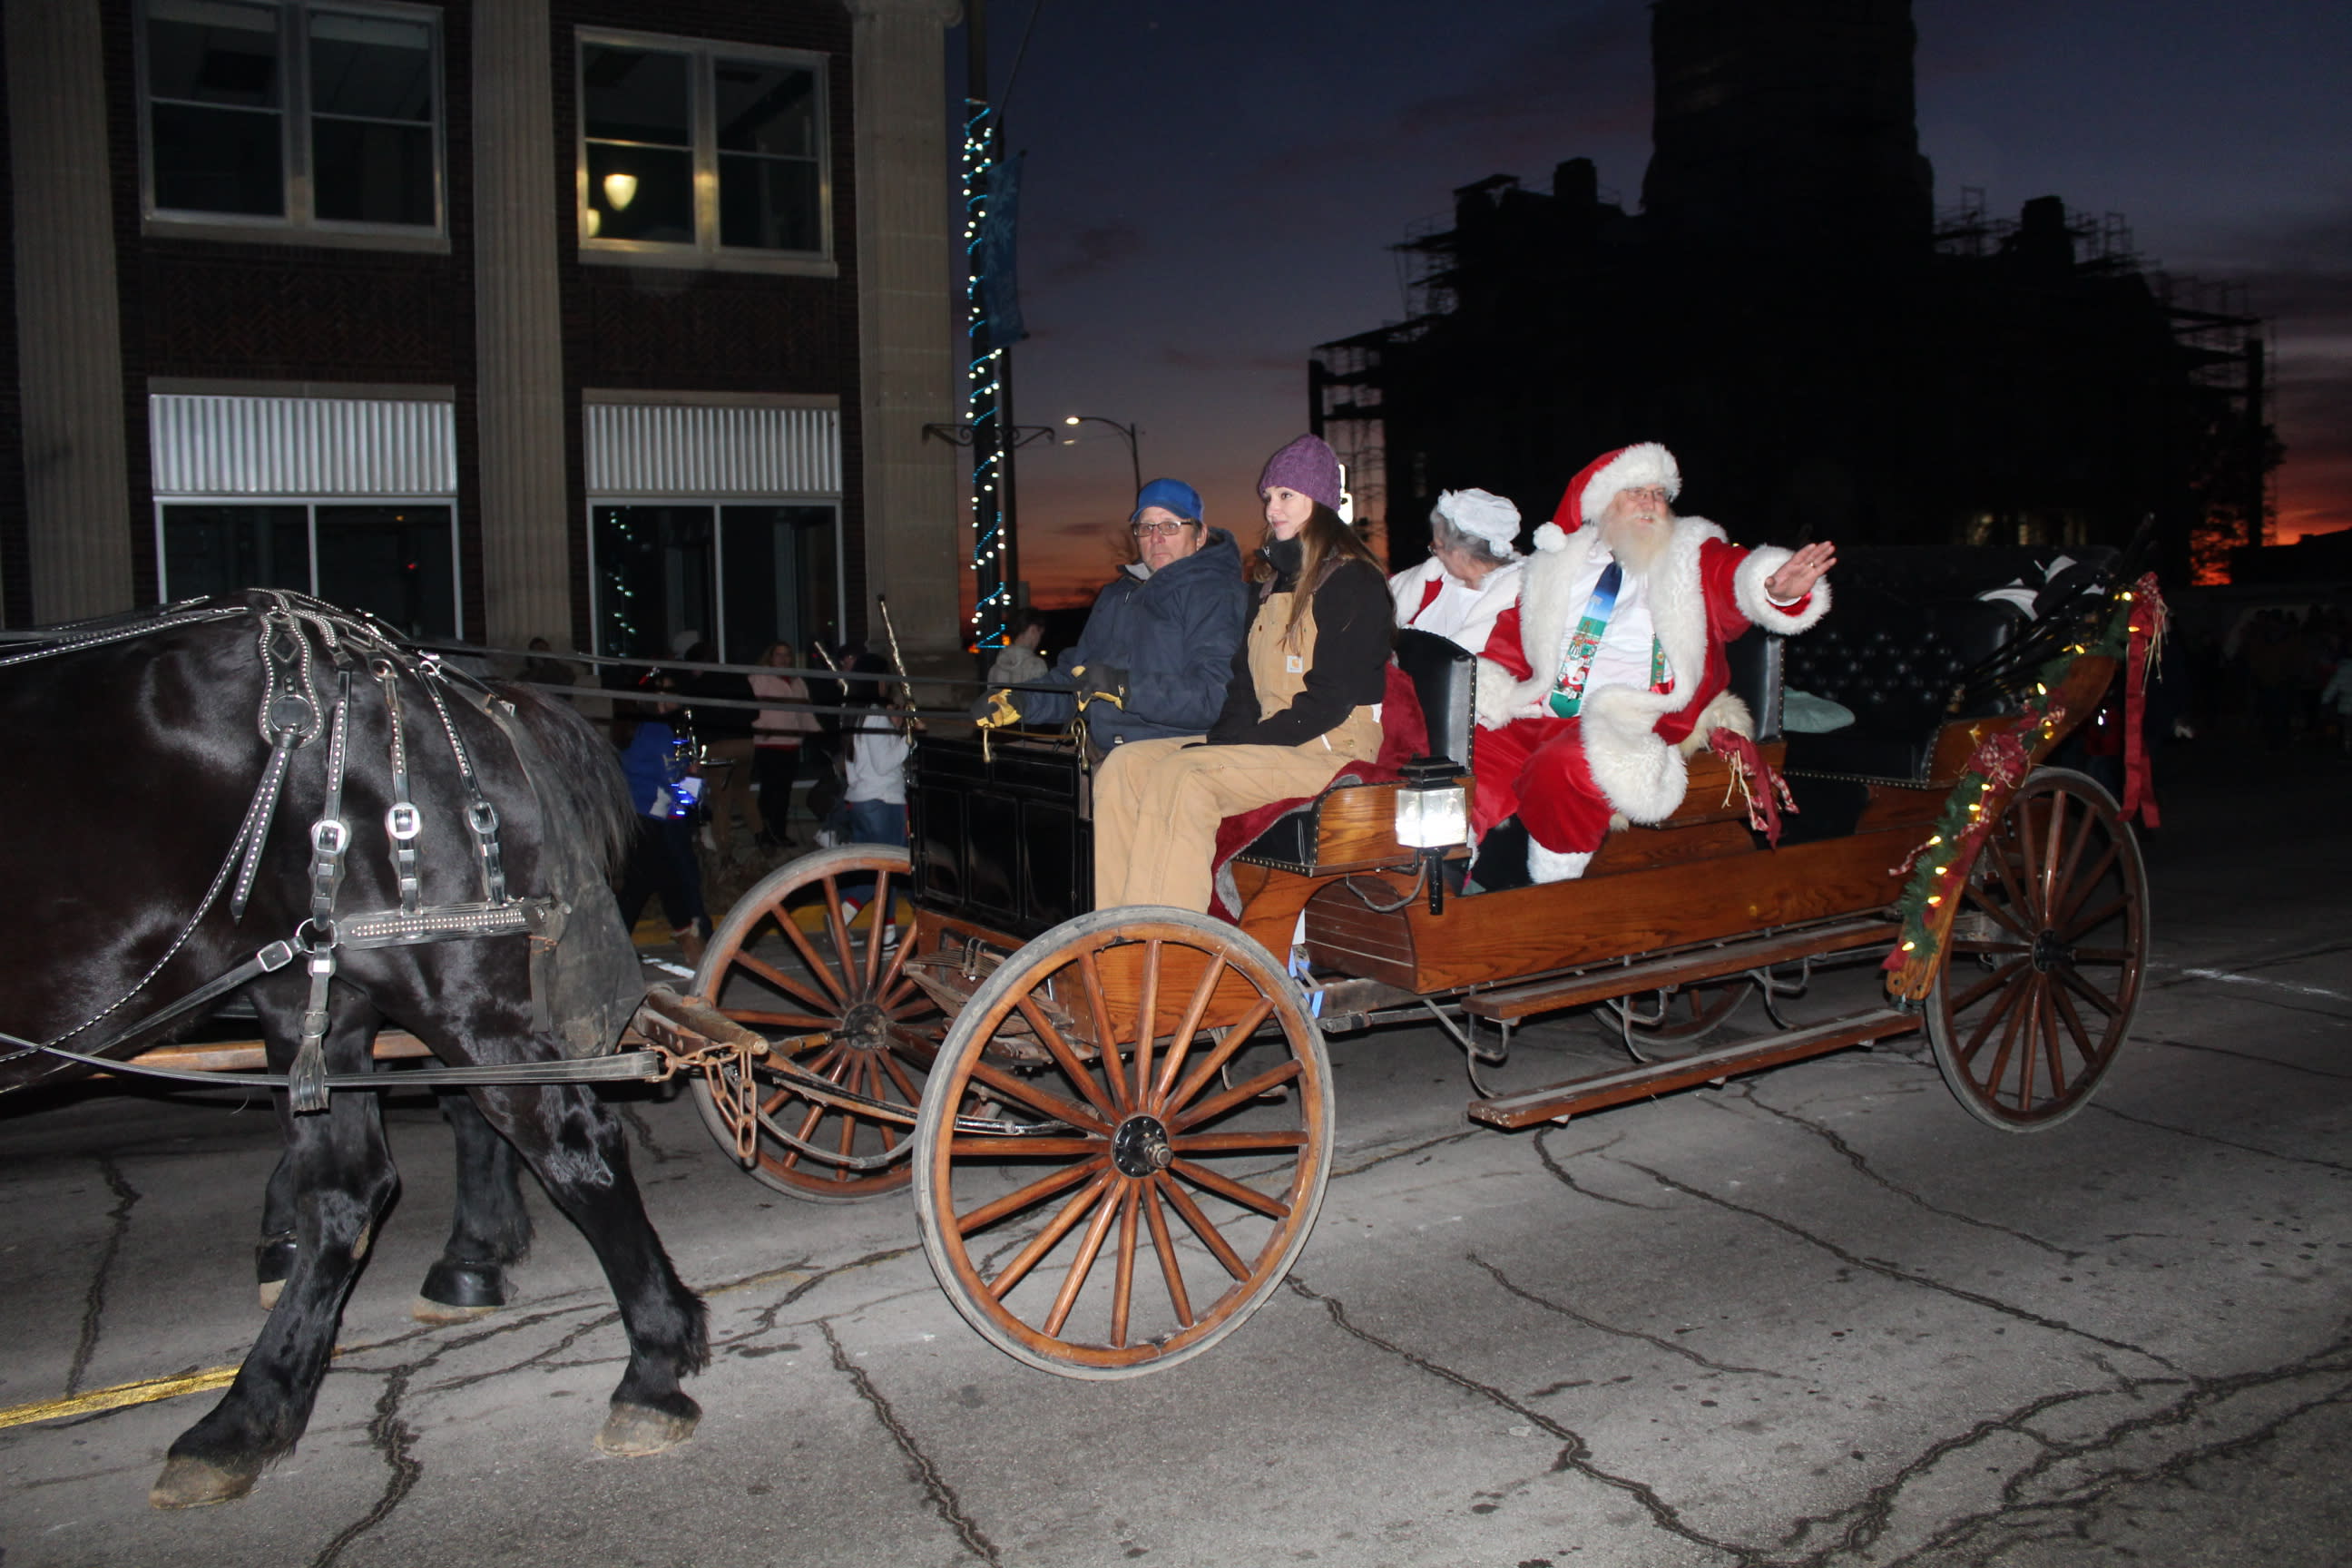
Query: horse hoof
x=632, y=1431
x=459, y=1292
x=440, y=1314
x=196, y=1483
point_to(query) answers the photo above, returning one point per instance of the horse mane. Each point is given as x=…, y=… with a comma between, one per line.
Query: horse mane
x=584, y=780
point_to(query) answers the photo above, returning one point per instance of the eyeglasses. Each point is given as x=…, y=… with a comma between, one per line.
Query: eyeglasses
x=1146, y=530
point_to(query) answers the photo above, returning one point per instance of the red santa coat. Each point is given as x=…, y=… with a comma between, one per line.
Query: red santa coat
x=1626, y=750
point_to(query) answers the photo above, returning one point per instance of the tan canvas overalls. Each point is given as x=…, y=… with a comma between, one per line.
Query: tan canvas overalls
x=1158, y=802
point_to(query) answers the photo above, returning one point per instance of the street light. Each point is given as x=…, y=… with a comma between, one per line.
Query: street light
x=1134, y=460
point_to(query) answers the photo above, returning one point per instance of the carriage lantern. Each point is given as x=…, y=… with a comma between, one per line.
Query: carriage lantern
x=1432, y=816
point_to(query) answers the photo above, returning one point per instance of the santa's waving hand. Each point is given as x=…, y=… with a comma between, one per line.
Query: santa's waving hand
x=1610, y=669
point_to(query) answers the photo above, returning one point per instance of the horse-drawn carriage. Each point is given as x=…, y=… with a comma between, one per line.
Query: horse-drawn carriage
x=1117, y=1123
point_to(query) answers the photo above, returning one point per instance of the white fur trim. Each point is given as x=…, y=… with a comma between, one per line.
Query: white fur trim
x=1643, y=463
x=1748, y=588
x=1550, y=536
x=1726, y=711
x=1498, y=700
x=1555, y=865
x=1641, y=776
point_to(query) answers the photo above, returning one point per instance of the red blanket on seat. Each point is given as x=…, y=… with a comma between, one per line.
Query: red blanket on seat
x=1404, y=735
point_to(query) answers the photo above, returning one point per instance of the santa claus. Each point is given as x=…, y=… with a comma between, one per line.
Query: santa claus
x=1609, y=670
x=1472, y=574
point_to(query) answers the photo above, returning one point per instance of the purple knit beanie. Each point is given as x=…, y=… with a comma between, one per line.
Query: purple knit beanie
x=1308, y=466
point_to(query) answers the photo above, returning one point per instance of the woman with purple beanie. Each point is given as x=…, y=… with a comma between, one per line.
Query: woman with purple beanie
x=1301, y=705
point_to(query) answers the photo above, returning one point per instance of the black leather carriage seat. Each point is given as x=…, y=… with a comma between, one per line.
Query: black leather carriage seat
x=1444, y=675
x=1896, y=664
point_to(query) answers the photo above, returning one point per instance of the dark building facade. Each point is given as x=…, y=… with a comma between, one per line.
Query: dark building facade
x=1827, y=355
x=502, y=318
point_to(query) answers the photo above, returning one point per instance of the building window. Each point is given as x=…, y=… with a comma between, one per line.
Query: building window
x=701, y=151
x=737, y=575
x=396, y=559
x=322, y=117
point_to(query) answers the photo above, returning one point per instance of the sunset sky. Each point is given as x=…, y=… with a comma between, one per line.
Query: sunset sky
x=1212, y=189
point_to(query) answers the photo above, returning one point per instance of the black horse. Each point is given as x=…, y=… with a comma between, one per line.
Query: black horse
x=139, y=748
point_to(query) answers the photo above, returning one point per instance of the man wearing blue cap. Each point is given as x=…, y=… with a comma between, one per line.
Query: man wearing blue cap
x=1158, y=650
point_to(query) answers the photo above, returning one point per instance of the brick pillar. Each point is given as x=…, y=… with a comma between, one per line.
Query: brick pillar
x=69, y=333
x=907, y=345
x=519, y=328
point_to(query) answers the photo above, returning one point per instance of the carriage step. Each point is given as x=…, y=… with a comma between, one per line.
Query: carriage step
x=1558, y=1101
x=1681, y=969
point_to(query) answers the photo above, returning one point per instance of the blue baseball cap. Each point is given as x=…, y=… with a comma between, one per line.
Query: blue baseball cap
x=1174, y=495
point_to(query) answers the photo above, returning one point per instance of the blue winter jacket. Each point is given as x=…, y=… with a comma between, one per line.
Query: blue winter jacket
x=1174, y=632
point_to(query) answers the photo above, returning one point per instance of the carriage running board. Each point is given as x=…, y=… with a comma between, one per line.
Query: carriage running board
x=1681, y=969
x=1558, y=1101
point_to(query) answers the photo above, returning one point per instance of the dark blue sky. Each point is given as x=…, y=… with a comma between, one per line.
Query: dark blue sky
x=1211, y=188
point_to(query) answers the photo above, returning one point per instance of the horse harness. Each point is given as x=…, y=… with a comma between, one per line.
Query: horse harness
x=294, y=631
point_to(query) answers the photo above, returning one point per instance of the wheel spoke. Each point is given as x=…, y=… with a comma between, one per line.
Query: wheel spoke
x=807, y=949
x=906, y=1086
x=2023, y=997
x=1977, y=993
x=2074, y=1019
x=1179, y=1044
x=2054, y=843
x=2024, y=911
x=894, y=982
x=785, y=983
x=1039, y=1099
x=1232, y=1191
x=1099, y=1013
x=2097, y=918
x=2102, y=956
x=1089, y=1248
x=2083, y=887
x=1241, y=1093
x=2040, y=1042
x=1122, y=1291
x=2000, y=912
x=1993, y=1014
x=1045, y=1240
x=877, y=915
x=1028, y=1198
x=1239, y=1142
x=1068, y=1059
x=1182, y=1202
x=1147, y=1020
x=779, y=1020
x=2089, y=993
x=1206, y=1068
x=1164, y=1245
x=977, y=1146
x=839, y=927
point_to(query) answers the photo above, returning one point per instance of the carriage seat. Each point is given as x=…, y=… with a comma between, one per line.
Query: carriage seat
x=1898, y=667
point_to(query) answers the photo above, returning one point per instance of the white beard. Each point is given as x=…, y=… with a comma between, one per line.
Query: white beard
x=1638, y=547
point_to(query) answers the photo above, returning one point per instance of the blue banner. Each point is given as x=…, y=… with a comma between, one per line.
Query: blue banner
x=1000, y=325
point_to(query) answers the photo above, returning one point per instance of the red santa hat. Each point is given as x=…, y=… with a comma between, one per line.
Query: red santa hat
x=1590, y=493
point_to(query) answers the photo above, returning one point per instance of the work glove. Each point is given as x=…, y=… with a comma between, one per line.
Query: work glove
x=1101, y=683
x=997, y=710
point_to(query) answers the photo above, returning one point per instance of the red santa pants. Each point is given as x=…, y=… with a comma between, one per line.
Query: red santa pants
x=1537, y=768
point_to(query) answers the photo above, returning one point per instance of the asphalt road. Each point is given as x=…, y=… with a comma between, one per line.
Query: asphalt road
x=1819, y=1316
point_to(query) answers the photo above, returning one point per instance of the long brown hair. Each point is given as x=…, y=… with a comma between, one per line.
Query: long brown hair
x=1324, y=539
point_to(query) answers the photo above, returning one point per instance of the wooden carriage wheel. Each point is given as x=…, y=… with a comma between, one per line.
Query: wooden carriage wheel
x=791, y=963
x=1130, y=1209
x=2043, y=970
x=1676, y=1021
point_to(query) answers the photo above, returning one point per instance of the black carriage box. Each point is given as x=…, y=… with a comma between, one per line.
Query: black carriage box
x=1003, y=835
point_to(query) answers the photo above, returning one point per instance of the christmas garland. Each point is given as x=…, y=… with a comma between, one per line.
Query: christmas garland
x=2132, y=629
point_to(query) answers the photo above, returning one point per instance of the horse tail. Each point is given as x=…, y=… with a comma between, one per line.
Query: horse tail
x=583, y=780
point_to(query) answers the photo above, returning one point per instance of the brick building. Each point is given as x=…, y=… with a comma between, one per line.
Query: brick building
x=584, y=318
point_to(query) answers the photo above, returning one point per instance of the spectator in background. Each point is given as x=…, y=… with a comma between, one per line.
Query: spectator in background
x=656, y=759
x=726, y=740
x=776, y=738
x=874, y=756
x=543, y=668
x=1018, y=663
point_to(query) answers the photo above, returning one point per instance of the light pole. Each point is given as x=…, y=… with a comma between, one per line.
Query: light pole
x=1134, y=458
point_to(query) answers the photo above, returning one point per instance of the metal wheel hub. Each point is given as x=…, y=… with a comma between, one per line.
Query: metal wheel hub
x=863, y=1028
x=2050, y=954
x=1140, y=1147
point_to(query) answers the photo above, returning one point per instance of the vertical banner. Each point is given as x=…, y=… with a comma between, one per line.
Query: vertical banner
x=998, y=324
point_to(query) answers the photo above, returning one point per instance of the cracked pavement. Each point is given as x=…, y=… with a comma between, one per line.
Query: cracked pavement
x=1816, y=1317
